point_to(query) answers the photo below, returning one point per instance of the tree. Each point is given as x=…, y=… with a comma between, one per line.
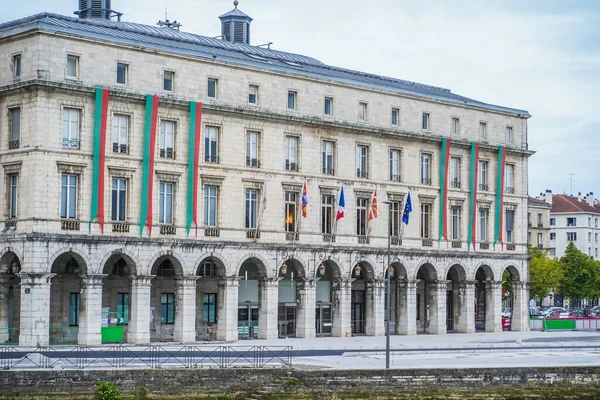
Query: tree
x=581, y=275
x=545, y=274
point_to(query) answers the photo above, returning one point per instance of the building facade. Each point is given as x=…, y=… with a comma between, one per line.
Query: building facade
x=538, y=223
x=155, y=180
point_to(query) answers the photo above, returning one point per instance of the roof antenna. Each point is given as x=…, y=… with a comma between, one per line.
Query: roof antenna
x=171, y=25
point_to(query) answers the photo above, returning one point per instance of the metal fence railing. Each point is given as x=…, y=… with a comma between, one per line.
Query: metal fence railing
x=147, y=357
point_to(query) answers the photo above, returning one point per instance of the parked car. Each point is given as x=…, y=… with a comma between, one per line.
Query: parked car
x=595, y=312
x=562, y=314
x=534, y=312
x=550, y=310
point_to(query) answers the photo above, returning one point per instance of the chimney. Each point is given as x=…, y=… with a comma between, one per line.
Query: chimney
x=548, y=196
x=590, y=198
x=579, y=196
x=235, y=26
x=96, y=9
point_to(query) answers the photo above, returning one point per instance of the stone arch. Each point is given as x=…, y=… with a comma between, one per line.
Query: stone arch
x=63, y=264
x=178, y=263
x=400, y=271
x=261, y=265
x=204, y=267
x=7, y=259
x=456, y=272
x=109, y=260
x=218, y=259
x=367, y=271
x=515, y=275
x=294, y=263
x=487, y=273
x=60, y=257
x=332, y=267
x=428, y=271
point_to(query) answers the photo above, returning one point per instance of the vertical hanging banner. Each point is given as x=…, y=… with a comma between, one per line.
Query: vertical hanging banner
x=193, y=162
x=471, y=238
x=150, y=121
x=100, y=116
x=500, y=195
x=444, y=188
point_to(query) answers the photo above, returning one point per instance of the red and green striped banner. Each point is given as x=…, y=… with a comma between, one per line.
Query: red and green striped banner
x=472, y=237
x=100, y=116
x=150, y=122
x=445, y=159
x=193, y=163
x=500, y=194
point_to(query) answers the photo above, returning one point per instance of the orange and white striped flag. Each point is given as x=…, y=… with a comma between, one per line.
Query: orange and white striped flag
x=373, y=211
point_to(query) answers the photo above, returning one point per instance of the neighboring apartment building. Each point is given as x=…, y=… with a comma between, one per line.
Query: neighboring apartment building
x=574, y=219
x=538, y=223
x=189, y=156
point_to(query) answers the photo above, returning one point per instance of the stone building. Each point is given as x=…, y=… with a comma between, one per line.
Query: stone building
x=154, y=181
x=538, y=223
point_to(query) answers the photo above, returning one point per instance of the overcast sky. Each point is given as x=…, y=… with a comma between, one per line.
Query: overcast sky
x=539, y=55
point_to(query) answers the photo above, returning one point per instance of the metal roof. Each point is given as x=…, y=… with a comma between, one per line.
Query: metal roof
x=189, y=44
x=235, y=13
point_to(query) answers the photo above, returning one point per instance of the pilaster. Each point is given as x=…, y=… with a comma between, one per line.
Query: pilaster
x=437, y=316
x=466, y=304
x=520, y=308
x=307, y=303
x=375, y=308
x=406, y=324
x=34, y=329
x=227, y=318
x=4, y=323
x=493, y=306
x=139, y=321
x=342, y=326
x=184, y=330
x=90, y=316
x=268, y=311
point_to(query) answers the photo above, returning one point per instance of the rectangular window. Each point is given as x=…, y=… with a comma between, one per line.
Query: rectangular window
x=552, y=221
x=509, y=134
x=571, y=221
x=68, y=196
x=328, y=160
x=396, y=218
x=539, y=220
x=165, y=203
x=589, y=222
x=455, y=223
x=484, y=219
x=120, y=134
x=291, y=99
x=16, y=65
x=552, y=236
x=482, y=130
x=291, y=153
x=211, y=144
x=251, y=208
x=596, y=222
x=362, y=161
x=425, y=169
x=539, y=239
x=210, y=206
x=252, y=149
x=70, y=137
x=167, y=308
x=425, y=122
x=168, y=81
x=395, y=116
x=510, y=225
x=589, y=237
x=596, y=237
x=209, y=308
x=425, y=221
x=13, y=205
x=122, y=73
x=119, y=199
x=455, y=172
x=328, y=106
x=72, y=66
x=362, y=111
x=73, y=309
x=327, y=204
x=509, y=178
x=212, y=88
x=454, y=128
x=122, y=308
x=395, y=165
x=253, y=94
x=483, y=175
x=291, y=205
x=14, y=139
x=167, y=139
x=361, y=215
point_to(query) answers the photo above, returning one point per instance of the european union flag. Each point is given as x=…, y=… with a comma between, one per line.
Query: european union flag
x=407, y=209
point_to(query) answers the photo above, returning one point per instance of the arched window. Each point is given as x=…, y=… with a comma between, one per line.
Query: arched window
x=120, y=268
x=207, y=269
x=166, y=268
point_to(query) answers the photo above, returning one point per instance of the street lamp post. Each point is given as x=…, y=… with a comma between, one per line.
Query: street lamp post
x=388, y=289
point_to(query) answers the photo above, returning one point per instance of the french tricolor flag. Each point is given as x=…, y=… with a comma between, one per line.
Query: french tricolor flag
x=341, y=206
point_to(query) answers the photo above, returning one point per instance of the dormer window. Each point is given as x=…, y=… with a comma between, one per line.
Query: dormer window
x=235, y=26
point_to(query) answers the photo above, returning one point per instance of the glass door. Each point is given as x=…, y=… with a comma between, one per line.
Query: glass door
x=358, y=311
x=247, y=321
x=323, y=319
x=449, y=312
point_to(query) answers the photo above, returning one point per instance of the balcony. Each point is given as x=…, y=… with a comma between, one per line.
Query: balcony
x=509, y=189
x=361, y=173
x=455, y=183
x=484, y=187
x=540, y=225
x=292, y=236
x=14, y=144
x=540, y=246
x=252, y=162
x=396, y=241
x=363, y=239
x=456, y=244
x=427, y=243
x=167, y=153
x=72, y=144
x=120, y=148
x=484, y=246
x=211, y=159
x=168, y=229
x=328, y=171
x=10, y=225
x=328, y=238
x=252, y=234
x=120, y=227
x=395, y=178
x=291, y=166
x=528, y=224
x=212, y=232
x=69, y=225
x=511, y=246
x=426, y=181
